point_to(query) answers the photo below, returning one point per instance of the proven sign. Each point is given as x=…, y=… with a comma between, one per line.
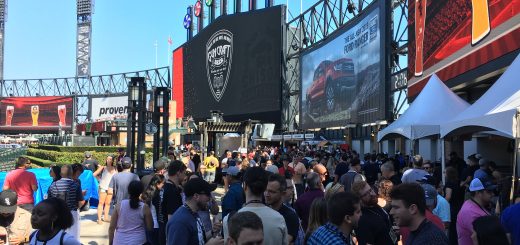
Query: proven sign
x=109, y=108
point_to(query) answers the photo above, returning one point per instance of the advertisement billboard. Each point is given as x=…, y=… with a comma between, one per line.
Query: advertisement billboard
x=453, y=37
x=108, y=108
x=30, y=114
x=234, y=65
x=343, y=79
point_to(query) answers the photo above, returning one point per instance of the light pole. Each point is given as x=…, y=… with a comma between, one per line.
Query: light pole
x=161, y=110
x=133, y=96
x=136, y=105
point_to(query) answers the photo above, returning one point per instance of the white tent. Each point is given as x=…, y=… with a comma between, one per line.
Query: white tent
x=495, y=110
x=435, y=105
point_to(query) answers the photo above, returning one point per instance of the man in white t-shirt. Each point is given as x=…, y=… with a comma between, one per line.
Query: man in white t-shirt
x=255, y=184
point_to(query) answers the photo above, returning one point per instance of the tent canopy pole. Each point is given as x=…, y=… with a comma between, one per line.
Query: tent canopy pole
x=443, y=160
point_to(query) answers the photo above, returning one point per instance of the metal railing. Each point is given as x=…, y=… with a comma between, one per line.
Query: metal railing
x=9, y=156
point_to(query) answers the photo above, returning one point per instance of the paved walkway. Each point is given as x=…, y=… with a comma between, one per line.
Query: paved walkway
x=94, y=234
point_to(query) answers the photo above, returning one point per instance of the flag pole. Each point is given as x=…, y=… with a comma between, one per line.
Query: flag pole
x=169, y=48
x=155, y=54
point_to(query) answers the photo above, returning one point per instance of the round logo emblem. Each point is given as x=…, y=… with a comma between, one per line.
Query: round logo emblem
x=198, y=8
x=209, y=2
x=187, y=21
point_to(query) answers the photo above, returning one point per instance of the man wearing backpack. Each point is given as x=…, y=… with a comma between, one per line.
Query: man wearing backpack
x=69, y=191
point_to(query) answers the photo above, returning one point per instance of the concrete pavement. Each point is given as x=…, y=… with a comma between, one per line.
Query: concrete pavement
x=93, y=234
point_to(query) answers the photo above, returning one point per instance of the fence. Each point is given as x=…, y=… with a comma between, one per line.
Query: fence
x=9, y=156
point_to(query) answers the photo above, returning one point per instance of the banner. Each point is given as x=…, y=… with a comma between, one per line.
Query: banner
x=343, y=79
x=108, y=108
x=29, y=114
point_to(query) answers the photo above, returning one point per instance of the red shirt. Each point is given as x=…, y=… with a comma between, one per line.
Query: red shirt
x=405, y=231
x=21, y=181
x=282, y=170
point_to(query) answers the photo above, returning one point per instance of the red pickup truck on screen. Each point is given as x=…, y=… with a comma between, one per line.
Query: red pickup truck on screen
x=332, y=87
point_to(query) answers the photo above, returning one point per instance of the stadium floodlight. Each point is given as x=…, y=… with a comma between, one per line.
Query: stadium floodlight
x=84, y=7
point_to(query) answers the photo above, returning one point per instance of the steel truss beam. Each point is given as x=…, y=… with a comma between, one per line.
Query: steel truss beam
x=83, y=88
x=316, y=24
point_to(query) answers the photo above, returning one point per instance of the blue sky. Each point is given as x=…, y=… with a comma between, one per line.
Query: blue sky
x=40, y=36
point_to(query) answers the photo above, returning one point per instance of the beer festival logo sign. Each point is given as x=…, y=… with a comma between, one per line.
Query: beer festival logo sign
x=219, y=54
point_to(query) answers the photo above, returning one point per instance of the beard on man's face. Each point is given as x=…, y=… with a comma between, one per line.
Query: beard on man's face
x=6, y=219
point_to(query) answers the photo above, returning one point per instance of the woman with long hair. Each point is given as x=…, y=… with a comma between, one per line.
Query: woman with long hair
x=55, y=173
x=131, y=218
x=317, y=216
x=50, y=218
x=105, y=199
x=488, y=230
x=152, y=197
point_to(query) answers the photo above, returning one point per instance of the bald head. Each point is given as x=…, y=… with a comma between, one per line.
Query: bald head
x=321, y=171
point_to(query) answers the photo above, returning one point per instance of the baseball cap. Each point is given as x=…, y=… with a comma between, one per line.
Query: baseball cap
x=430, y=194
x=198, y=186
x=126, y=162
x=233, y=171
x=272, y=168
x=8, y=199
x=478, y=185
x=483, y=162
x=88, y=154
x=159, y=164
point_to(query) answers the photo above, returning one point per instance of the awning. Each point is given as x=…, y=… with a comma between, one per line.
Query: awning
x=224, y=127
x=324, y=143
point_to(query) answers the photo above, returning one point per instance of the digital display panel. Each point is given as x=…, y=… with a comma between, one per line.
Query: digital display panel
x=234, y=65
x=450, y=38
x=43, y=113
x=343, y=79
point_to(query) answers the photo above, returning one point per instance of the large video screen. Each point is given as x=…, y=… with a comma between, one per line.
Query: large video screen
x=30, y=114
x=234, y=66
x=342, y=80
x=452, y=37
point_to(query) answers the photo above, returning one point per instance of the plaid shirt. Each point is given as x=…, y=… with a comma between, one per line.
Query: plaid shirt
x=328, y=234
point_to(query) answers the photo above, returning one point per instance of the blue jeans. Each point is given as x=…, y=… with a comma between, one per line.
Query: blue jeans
x=209, y=176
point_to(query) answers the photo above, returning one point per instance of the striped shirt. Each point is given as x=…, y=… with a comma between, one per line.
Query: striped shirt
x=67, y=190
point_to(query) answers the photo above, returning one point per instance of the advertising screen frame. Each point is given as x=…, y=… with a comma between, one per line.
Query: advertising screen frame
x=70, y=115
x=274, y=115
x=90, y=103
x=385, y=44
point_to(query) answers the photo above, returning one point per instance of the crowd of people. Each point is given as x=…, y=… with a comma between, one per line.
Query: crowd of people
x=271, y=196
